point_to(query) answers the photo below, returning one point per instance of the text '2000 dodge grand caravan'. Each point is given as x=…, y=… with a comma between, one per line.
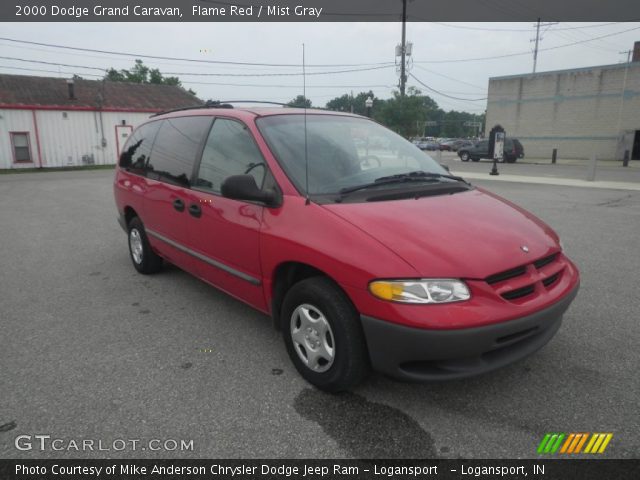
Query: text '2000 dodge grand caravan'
x=364, y=250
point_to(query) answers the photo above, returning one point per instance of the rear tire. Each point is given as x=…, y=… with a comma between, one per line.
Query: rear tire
x=323, y=335
x=144, y=259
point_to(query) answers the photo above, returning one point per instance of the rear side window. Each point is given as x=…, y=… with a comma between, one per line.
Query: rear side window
x=230, y=150
x=175, y=150
x=136, y=151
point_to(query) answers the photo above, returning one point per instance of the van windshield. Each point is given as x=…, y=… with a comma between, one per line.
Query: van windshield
x=343, y=152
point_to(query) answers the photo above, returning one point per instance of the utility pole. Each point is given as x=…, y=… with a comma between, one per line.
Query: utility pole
x=537, y=40
x=403, y=76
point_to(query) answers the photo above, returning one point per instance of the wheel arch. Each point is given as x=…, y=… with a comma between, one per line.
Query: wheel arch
x=129, y=214
x=287, y=274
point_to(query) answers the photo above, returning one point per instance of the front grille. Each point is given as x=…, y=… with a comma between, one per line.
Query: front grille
x=520, y=282
x=518, y=293
x=545, y=261
x=502, y=276
x=551, y=280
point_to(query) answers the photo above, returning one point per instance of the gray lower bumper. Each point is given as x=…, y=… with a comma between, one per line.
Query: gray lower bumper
x=426, y=355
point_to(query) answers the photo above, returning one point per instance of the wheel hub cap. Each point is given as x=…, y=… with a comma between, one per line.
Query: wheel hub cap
x=135, y=242
x=312, y=338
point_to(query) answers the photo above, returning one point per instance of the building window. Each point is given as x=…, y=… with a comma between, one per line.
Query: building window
x=21, y=147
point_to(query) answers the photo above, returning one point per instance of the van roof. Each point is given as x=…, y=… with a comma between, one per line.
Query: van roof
x=249, y=112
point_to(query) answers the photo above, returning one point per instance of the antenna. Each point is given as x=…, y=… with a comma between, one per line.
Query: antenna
x=306, y=154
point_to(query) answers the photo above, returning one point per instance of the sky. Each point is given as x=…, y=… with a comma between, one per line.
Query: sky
x=445, y=56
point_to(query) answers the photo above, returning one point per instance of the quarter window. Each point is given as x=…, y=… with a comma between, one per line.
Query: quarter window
x=230, y=150
x=136, y=151
x=21, y=147
x=176, y=147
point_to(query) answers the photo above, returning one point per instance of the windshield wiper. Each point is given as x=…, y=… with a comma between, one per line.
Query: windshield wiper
x=417, y=176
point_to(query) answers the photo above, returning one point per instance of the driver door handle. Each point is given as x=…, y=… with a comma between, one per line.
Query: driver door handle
x=195, y=210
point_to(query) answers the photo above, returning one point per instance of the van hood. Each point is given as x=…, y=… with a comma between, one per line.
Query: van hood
x=471, y=234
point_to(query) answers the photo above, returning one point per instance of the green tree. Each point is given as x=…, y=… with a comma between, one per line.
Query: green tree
x=348, y=103
x=406, y=114
x=300, y=102
x=140, y=73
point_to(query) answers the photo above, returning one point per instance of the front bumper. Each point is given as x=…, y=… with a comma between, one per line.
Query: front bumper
x=426, y=355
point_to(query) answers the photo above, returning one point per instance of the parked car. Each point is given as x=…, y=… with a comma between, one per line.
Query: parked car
x=458, y=144
x=446, y=144
x=513, y=150
x=427, y=145
x=362, y=260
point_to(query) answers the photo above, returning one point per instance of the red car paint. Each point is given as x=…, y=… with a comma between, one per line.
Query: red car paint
x=471, y=236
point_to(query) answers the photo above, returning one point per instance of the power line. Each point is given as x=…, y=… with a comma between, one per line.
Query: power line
x=260, y=85
x=48, y=71
x=451, y=78
x=297, y=74
x=332, y=72
x=53, y=63
x=444, y=94
x=517, y=54
x=195, y=60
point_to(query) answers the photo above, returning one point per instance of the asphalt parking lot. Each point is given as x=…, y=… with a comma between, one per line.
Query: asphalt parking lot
x=92, y=350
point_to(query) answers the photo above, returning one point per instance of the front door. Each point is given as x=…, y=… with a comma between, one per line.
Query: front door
x=226, y=233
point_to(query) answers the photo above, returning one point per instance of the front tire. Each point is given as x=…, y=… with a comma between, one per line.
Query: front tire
x=464, y=156
x=323, y=335
x=144, y=259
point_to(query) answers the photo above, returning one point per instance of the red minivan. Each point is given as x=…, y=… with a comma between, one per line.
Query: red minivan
x=364, y=250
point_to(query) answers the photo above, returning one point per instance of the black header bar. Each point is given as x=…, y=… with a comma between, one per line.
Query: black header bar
x=583, y=469
x=316, y=10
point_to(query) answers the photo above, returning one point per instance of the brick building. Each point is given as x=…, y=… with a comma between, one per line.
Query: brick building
x=578, y=111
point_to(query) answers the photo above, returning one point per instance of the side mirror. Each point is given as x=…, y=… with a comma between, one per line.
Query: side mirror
x=244, y=187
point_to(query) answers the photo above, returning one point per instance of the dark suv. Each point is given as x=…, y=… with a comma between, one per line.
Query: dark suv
x=513, y=150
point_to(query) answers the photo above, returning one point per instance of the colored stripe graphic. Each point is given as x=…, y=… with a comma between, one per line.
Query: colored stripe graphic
x=550, y=443
x=572, y=443
x=598, y=443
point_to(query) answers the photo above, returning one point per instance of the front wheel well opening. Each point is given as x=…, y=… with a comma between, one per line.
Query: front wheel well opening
x=129, y=214
x=284, y=277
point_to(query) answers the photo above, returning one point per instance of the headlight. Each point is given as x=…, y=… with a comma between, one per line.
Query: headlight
x=420, y=291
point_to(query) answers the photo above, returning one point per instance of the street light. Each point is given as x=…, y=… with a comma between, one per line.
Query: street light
x=368, y=103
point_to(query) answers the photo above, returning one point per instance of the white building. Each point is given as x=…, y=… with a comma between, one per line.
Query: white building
x=54, y=122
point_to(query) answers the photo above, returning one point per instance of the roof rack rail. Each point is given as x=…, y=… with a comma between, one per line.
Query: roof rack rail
x=207, y=104
x=256, y=101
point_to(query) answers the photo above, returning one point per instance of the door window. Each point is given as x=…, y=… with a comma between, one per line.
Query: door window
x=230, y=150
x=175, y=150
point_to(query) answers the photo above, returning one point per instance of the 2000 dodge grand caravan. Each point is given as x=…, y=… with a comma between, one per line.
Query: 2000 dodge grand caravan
x=364, y=250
